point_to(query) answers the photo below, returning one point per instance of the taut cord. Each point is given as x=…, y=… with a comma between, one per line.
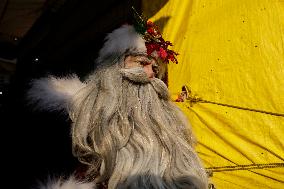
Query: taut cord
x=193, y=99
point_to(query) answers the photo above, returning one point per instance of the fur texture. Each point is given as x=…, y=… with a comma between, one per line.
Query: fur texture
x=70, y=183
x=121, y=40
x=53, y=93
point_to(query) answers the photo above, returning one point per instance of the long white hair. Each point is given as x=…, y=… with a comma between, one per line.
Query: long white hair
x=129, y=133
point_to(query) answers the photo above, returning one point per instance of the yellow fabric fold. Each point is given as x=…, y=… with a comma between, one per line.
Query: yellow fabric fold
x=231, y=52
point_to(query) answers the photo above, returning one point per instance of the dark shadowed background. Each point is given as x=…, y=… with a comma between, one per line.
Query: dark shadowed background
x=40, y=37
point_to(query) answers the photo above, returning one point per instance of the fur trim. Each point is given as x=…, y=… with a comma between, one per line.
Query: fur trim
x=53, y=93
x=70, y=183
x=120, y=40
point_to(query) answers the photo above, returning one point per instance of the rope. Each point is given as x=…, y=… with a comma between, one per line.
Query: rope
x=187, y=96
x=193, y=99
x=244, y=167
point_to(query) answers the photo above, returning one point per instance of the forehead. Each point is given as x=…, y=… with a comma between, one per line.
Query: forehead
x=140, y=56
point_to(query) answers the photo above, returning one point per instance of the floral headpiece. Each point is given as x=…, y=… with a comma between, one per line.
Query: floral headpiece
x=154, y=39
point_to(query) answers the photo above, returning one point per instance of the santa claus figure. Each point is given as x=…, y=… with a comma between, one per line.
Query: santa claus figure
x=125, y=128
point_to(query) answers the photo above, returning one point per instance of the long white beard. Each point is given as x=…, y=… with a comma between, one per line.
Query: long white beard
x=132, y=136
x=70, y=183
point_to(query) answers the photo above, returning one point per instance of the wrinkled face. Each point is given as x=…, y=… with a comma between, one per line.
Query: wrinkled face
x=148, y=64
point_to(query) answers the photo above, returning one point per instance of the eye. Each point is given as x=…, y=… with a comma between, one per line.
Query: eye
x=144, y=63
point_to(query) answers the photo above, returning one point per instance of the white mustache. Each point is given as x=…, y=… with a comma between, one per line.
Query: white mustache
x=137, y=75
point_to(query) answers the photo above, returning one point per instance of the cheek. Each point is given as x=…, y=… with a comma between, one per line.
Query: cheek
x=149, y=71
x=129, y=62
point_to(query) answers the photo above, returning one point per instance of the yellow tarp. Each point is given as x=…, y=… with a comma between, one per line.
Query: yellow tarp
x=231, y=52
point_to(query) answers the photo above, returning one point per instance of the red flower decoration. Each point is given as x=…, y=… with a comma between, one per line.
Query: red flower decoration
x=155, y=42
x=162, y=53
x=150, y=30
x=153, y=39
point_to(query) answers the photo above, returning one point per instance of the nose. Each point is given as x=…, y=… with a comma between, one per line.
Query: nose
x=149, y=70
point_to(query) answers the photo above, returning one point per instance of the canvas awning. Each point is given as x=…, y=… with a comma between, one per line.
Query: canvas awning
x=231, y=52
